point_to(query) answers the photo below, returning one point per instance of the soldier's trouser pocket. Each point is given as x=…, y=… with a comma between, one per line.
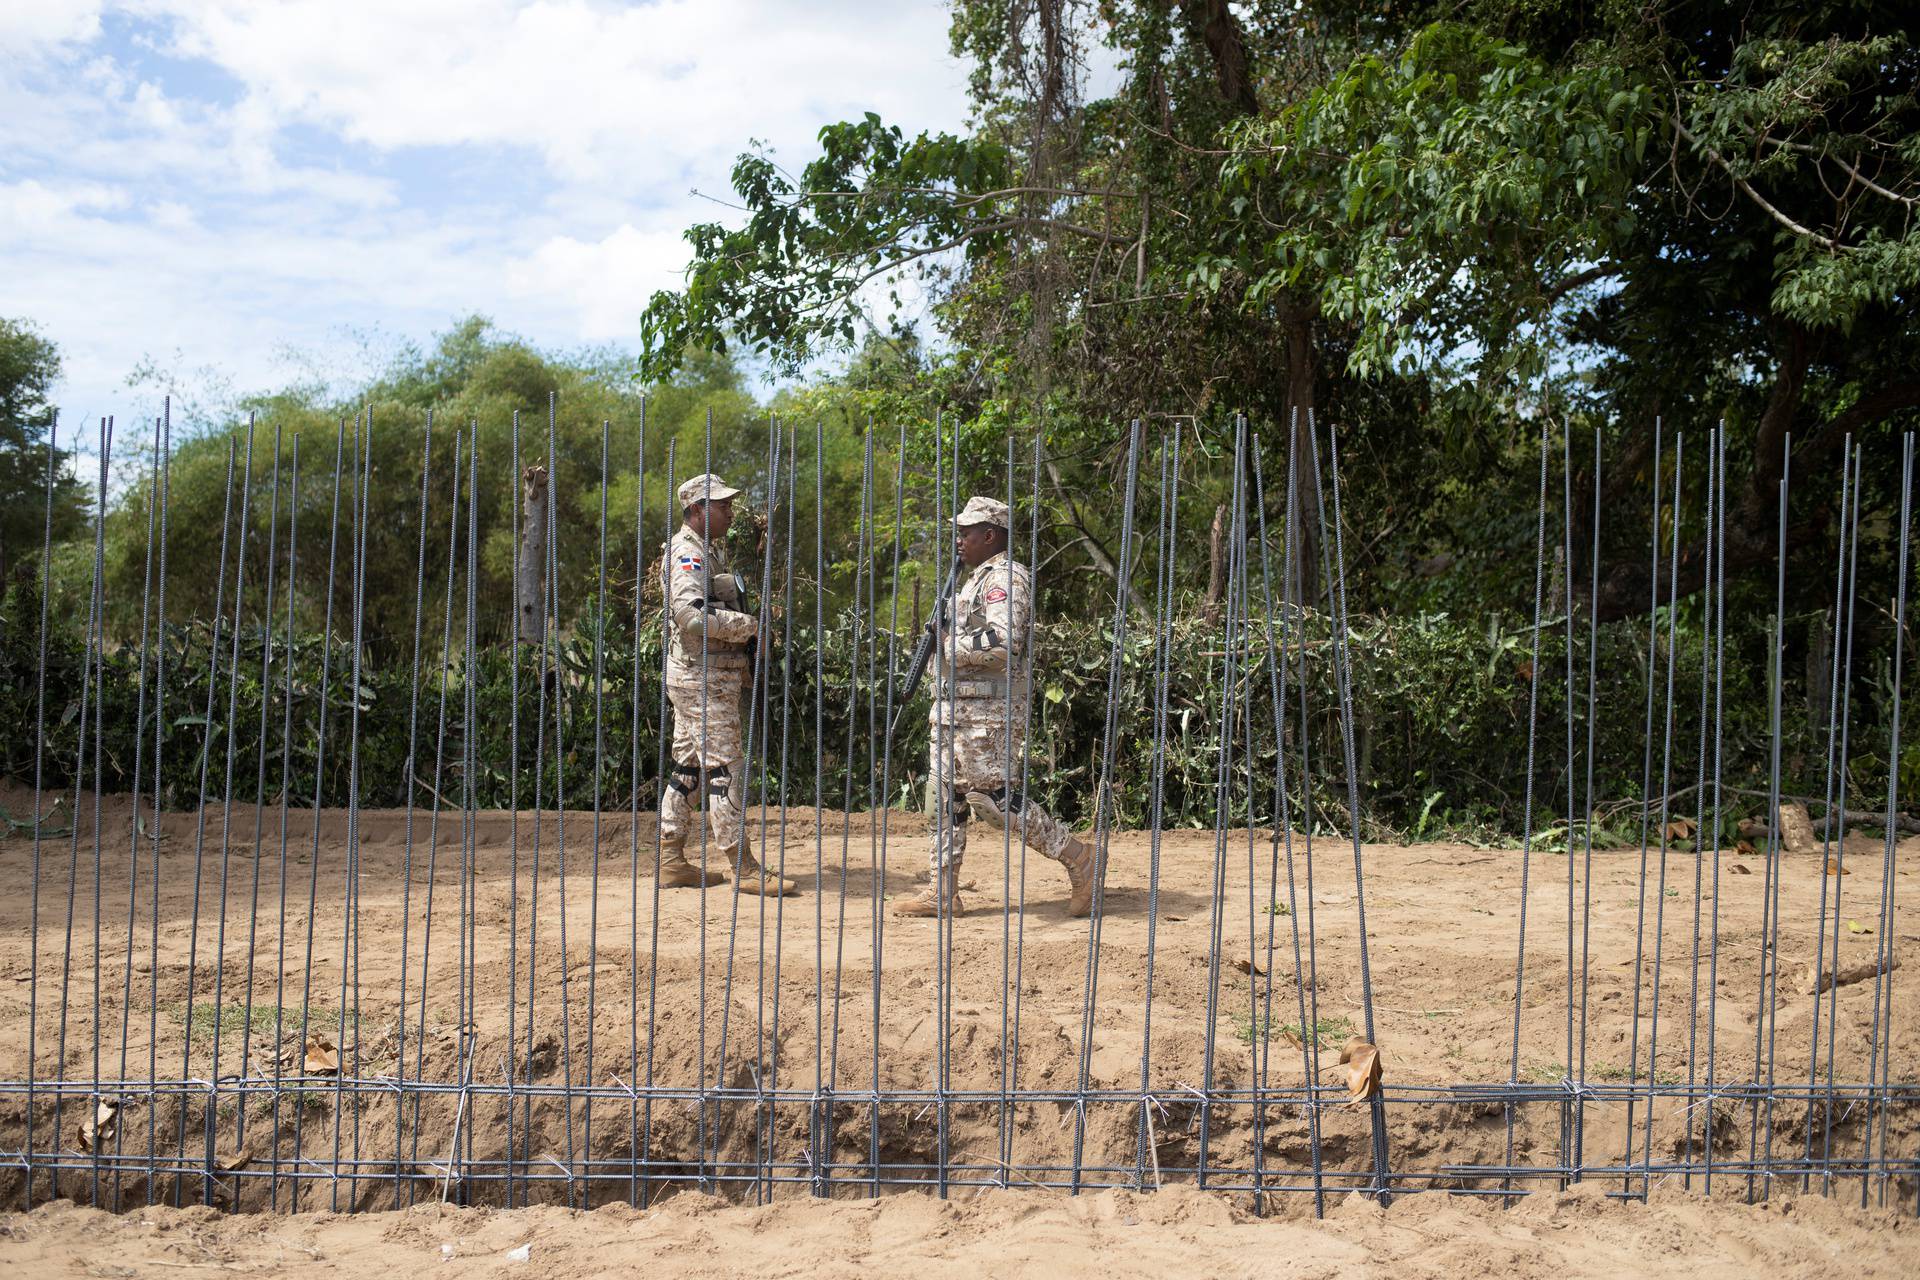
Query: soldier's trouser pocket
x=707, y=722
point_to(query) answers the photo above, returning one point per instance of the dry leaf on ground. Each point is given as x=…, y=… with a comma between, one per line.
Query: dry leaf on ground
x=1362, y=1061
x=97, y=1132
x=322, y=1058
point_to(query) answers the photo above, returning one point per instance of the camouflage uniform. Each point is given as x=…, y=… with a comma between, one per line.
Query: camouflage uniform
x=703, y=596
x=979, y=715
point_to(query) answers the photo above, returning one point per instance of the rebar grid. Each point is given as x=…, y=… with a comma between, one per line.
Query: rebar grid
x=736, y=1116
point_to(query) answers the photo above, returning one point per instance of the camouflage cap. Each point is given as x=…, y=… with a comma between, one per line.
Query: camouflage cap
x=984, y=511
x=702, y=487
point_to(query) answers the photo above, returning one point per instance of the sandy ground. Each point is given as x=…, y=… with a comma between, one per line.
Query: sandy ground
x=782, y=996
x=1178, y=1231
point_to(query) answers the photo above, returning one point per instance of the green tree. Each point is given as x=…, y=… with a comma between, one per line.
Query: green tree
x=1430, y=223
x=29, y=366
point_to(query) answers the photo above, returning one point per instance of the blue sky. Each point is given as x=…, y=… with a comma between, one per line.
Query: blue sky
x=239, y=193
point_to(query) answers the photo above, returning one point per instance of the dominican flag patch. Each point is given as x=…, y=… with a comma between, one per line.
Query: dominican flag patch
x=689, y=564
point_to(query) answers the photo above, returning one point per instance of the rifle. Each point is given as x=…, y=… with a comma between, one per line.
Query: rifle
x=923, y=649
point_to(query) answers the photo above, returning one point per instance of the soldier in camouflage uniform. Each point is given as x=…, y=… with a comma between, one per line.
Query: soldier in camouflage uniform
x=979, y=717
x=709, y=668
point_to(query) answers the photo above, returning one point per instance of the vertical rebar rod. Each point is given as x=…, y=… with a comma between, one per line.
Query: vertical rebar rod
x=133, y=825
x=1526, y=821
x=558, y=680
x=1019, y=891
x=1105, y=817
x=1877, y=1057
x=1765, y=1020
x=886, y=804
x=599, y=765
x=1223, y=777
x=1568, y=1099
x=433, y=820
x=259, y=812
x=319, y=796
x=93, y=645
x=1144, y=1145
x=1664, y=836
x=210, y=1120
x=633, y=817
x=159, y=738
x=1700, y=797
x=99, y=769
x=1579, y=1065
x=1343, y=667
x=1646, y=784
x=408, y=787
x=1718, y=602
x=286, y=791
x=1292, y=617
x=786, y=741
x=200, y=821
x=39, y=779
x=1834, y=825
x=350, y=887
x=667, y=517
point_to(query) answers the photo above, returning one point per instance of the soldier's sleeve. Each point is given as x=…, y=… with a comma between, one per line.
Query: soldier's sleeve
x=997, y=615
x=730, y=626
x=686, y=571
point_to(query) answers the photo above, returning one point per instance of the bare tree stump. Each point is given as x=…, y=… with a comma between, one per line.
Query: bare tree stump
x=529, y=571
x=1216, y=565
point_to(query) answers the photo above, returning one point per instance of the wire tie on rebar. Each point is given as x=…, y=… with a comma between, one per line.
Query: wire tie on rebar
x=333, y=1175
x=1577, y=1090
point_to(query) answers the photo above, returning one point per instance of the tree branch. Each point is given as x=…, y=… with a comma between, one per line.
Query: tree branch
x=1859, y=177
x=1746, y=189
x=1580, y=279
x=1214, y=22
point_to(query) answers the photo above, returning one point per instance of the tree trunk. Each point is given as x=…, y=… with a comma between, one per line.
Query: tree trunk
x=529, y=573
x=1752, y=509
x=1302, y=586
x=1216, y=565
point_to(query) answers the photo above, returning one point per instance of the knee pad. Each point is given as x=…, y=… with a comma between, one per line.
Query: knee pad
x=685, y=778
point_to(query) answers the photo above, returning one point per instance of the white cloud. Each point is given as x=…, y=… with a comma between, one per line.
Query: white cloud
x=627, y=94
x=227, y=178
x=606, y=282
x=29, y=27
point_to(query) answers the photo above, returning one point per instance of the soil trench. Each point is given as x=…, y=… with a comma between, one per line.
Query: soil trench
x=503, y=954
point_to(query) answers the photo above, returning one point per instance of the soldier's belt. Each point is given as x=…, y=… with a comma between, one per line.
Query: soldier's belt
x=975, y=689
x=720, y=661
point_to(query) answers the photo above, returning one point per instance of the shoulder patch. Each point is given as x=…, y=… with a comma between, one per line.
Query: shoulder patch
x=996, y=595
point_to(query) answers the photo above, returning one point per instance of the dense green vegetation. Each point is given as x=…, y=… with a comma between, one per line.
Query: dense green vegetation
x=1441, y=227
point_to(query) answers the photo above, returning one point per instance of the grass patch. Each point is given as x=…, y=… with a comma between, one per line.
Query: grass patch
x=234, y=1019
x=1328, y=1032
x=294, y=1100
x=1612, y=1074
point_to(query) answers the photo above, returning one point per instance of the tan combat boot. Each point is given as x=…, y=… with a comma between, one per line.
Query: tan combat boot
x=1078, y=859
x=677, y=873
x=752, y=878
x=927, y=903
